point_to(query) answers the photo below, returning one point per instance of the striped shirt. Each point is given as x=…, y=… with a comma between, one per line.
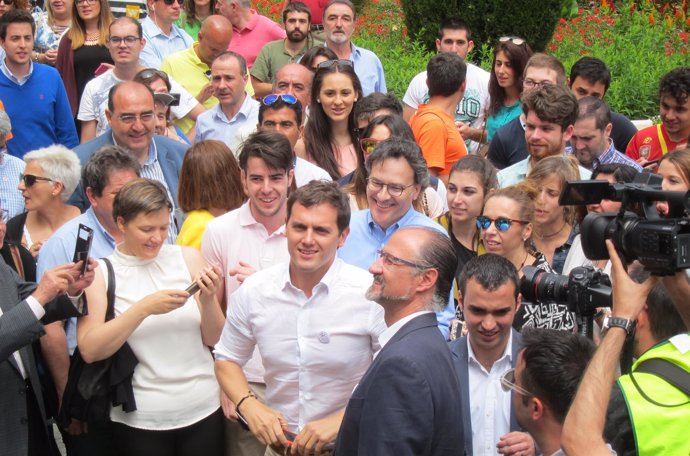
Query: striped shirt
x=613, y=156
x=11, y=198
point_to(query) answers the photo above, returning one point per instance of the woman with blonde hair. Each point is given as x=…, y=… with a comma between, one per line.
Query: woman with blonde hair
x=210, y=186
x=51, y=25
x=84, y=47
x=554, y=225
x=49, y=179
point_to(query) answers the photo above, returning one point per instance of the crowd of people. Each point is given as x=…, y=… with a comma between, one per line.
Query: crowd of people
x=357, y=259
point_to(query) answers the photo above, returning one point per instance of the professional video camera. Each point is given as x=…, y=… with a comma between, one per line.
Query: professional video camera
x=661, y=245
x=584, y=290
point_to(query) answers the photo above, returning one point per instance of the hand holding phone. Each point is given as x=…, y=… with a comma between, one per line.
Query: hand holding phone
x=83, y=246
x=192, y=288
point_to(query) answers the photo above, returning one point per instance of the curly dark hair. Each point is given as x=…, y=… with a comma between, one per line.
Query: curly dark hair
x=676, y=83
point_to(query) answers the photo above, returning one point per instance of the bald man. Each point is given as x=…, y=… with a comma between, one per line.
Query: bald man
x=191, y=67
x=296, y=80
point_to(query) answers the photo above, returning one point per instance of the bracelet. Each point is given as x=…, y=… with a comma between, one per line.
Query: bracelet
x=249, y=394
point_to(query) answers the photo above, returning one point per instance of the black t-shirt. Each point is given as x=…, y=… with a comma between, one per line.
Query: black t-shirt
x=622, y=132
x=86, y=60
x=508, y=145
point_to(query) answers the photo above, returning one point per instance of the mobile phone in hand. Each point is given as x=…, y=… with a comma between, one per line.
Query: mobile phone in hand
x=83, y=246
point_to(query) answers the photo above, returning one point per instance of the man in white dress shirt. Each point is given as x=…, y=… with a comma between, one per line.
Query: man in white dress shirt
x=316, y=332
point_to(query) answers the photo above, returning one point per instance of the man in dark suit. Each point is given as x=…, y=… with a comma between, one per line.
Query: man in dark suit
x=132, y=125
x=408, y=401
x=24, y=308
x=489, y=297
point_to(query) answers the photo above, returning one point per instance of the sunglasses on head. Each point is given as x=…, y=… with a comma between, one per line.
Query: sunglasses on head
x=502, y=223
x=330, y=63
x=30, y=179
x=517, y=41
x=269, y=100
x=151, y=73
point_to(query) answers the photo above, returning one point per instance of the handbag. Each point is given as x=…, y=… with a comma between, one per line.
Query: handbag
x=93, y=387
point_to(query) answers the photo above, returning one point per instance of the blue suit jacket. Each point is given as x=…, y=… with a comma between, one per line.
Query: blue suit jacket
x=170, y=155
x=460, y=358
x=408, y=401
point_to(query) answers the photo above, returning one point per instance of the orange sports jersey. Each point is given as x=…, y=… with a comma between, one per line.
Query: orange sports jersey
x=9, y=135
x=652, y=143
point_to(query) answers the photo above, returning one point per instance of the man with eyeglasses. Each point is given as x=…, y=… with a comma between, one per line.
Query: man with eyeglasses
x=45, y=118
x=433, y=124
x=339, y=24
x=283, y=114
x=11, y=168
x=489, y=296
x=161, y=33
x=408, y=402
x=308, y=316
x=550, y=115
x=235, y=116
x=132, y=122
x=544, y=381
x=125, y=43
x=508, y=145
x=276, y=54
x=454, y=35
x=397, y=175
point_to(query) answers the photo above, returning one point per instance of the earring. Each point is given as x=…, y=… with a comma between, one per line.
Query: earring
x=318, y=100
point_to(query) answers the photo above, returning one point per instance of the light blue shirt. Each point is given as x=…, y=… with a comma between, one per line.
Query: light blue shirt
x=59, y=249
x=516, y=173
x=369, y=70
x=10, y=197
x=160, y=45
x=366, y=237
x=6, y=71
x=214, y=124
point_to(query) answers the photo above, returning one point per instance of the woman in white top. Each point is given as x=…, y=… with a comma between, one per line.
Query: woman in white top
x=169, y=331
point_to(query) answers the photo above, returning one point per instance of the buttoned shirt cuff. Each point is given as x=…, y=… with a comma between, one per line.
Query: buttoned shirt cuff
x=35, y=307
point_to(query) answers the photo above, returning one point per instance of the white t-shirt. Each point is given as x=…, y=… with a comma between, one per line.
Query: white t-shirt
x=471, y=108
x=94, y=100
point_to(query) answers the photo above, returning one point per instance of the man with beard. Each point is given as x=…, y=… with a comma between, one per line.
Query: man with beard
x=550, y=113
x=276, y=54
x=339, y=24
x=408, y=401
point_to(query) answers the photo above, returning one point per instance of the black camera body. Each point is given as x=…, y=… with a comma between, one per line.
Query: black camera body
x=661, y=245
x=583, y=290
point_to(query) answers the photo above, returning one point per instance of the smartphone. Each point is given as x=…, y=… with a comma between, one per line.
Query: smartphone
x=243, y=423
x=192, y=288
x=651, y=163
x=83, y=246
x=102, y=68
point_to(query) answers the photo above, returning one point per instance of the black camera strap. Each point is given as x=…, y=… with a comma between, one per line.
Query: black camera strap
x=670, y=372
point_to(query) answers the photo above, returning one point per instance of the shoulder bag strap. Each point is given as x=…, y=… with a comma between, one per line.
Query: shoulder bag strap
x=110, y=293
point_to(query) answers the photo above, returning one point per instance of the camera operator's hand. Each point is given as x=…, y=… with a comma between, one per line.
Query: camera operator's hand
x=679, y=289
x=629, y=297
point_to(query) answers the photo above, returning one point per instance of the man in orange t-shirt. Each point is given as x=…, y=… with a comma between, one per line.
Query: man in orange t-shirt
x=673, y=133
x=433, y=124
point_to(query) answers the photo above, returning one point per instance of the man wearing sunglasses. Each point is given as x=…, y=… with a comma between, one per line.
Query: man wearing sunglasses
x=489, y=298
x=339, y=24
x=408, y=402
x=544, y=381
x=234, y=117
x=283, y=114
x=162, y=36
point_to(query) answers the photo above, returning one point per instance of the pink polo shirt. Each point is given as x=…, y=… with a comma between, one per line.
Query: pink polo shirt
x=317, y=7
x=249, y=41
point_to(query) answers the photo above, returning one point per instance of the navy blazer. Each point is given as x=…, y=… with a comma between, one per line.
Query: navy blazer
x=408, y=401
x=460, y=358
x=170, y=155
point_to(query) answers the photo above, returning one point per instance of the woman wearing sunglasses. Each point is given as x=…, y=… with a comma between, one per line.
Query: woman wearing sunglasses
x=554, y=225
x=329, y=136
x=51, y=25
x=84, y=47
x=354, y=184
x=9, y=5
x=506, y=225
x=49, y=179
x=505, y=83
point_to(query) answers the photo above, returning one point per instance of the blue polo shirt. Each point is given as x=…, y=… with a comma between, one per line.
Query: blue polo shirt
x=366, y=237
x=369, y=70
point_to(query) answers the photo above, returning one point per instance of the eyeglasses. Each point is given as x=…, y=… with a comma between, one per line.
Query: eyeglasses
x=508, y=383
x=502, y=223
x=393, y=189
x=129, y=40
x=8, y=2
x=170, y=2
x=330, y=63
x=531, y=83
x=517, y=41
x=86, y=2
x=131, y=118
x=269, y=100
x=391, y=260
x=367, y=145
x=4, y=215
x=30, y=179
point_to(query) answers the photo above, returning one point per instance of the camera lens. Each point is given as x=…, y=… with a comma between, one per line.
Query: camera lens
x=537, y=285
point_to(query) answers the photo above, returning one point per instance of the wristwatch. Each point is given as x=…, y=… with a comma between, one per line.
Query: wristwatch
x=627, y=325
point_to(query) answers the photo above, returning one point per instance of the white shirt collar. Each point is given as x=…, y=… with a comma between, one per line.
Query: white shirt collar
x=388, y=334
